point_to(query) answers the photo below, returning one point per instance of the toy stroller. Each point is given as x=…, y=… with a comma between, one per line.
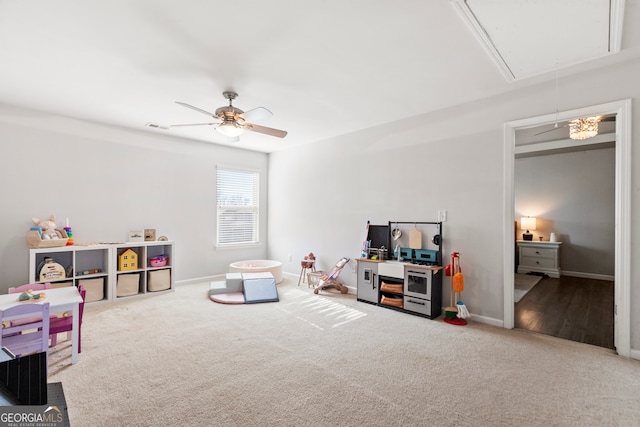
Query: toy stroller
x=329, y=279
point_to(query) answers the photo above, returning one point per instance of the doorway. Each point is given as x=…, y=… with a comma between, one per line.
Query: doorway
x=622, y=110
x=568, y=186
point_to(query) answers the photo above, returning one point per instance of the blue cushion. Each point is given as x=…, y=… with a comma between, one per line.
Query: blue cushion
x=260, y=290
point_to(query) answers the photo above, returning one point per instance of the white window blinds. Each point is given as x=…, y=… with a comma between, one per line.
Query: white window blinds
x=238, y=202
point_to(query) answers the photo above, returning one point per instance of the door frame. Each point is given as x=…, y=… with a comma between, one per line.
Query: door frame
x=622, y=273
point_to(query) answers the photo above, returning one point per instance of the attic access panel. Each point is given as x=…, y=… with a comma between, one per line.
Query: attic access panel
x=527, y=37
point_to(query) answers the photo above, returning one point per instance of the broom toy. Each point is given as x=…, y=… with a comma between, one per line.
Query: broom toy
x=457, y=286
x=463, y=313
x=451, y=312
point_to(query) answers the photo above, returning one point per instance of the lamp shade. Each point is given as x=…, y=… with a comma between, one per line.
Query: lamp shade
x=528, y=223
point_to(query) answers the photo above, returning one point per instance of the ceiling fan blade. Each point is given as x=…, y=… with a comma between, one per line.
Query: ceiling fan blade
x=265, y=130
x=556, y=127
x=193, y=124
x=258, y=113
x=195, y=108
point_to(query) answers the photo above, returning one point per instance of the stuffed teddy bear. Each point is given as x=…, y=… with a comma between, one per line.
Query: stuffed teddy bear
x=48, y=228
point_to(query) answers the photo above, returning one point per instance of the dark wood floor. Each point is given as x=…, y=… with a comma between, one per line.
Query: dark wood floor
x=572, y=308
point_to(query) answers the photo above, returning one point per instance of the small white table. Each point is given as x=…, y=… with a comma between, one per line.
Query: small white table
x=540, y=257
x=59, y=299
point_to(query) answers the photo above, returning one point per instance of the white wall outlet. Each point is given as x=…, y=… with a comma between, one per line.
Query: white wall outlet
x=290, y=258
x=442, y=215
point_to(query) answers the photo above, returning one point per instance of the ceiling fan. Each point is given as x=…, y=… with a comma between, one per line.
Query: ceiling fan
x=232, y=122
x=579, y=128
x=597, y=119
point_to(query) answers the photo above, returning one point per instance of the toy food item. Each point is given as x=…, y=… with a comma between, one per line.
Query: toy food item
x=29, y=295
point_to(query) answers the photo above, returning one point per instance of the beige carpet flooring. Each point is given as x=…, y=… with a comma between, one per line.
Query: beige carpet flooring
x=180, y=359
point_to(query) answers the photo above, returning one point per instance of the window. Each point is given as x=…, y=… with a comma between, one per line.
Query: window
x=237, y=197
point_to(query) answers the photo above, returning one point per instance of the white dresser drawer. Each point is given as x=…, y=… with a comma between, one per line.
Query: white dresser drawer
x=538, y=262
x=538, y=252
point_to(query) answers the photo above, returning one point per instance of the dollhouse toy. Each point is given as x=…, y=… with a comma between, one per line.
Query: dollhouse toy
x=128, y=260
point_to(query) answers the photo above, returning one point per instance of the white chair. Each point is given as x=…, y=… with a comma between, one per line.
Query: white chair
x=26, y=288
x=25, y=338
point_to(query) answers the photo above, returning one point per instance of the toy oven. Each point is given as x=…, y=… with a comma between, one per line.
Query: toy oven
x=417, y=283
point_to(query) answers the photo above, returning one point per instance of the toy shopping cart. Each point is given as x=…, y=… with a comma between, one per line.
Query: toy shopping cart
x=324, y=280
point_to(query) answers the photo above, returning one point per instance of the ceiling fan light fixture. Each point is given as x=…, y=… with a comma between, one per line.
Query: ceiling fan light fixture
x=230, y=129
x=584, y=128
x=232, y=122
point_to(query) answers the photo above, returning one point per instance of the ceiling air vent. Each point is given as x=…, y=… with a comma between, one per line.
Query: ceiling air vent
x=155, y=126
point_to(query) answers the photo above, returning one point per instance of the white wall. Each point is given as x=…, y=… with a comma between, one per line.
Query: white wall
x=108, y=181
x=321, y=195
x=573, y=195
x=401, y=172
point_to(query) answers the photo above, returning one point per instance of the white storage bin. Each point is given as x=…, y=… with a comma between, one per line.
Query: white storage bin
x=128, y=284
x=159, y=280
x=94, y=288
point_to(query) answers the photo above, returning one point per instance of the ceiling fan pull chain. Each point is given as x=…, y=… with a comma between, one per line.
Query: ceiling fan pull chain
x=557, y=102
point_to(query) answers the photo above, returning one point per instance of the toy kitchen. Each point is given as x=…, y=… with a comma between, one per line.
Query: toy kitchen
x=401, y=268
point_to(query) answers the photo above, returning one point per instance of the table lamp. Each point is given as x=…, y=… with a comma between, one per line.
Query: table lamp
x=527, y=223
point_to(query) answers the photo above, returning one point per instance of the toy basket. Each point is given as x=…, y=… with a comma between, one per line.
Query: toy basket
x=35, y=241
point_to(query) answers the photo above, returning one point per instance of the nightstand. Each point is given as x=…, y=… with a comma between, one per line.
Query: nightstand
x=539, y=257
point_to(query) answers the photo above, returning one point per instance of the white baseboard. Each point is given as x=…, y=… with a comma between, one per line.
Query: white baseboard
x=634, y=354
x=487, y=320
x=588, y=275
x=482, y=319
x=199, y=280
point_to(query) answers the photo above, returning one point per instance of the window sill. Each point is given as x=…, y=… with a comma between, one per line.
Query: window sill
x=233, y=246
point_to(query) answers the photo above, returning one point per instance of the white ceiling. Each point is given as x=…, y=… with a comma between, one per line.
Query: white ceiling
x=323, y=68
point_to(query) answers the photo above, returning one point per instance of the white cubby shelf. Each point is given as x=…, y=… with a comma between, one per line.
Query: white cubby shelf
x=97, y=266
